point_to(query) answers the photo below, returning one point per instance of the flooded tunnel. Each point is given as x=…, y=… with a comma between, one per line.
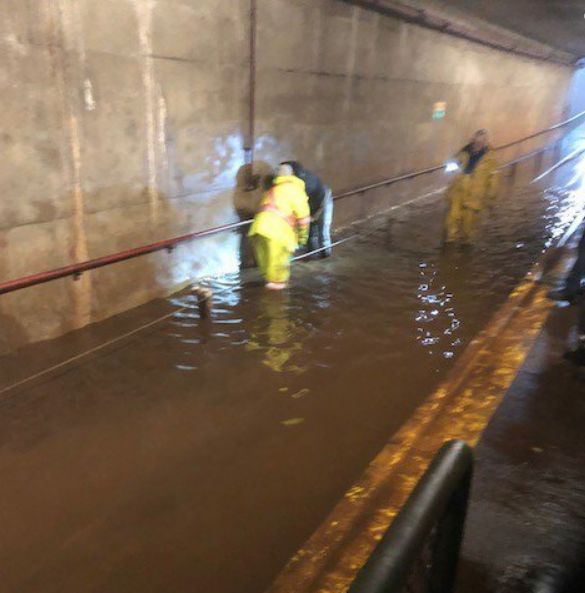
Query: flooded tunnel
x=268, y=445
x=176, y=443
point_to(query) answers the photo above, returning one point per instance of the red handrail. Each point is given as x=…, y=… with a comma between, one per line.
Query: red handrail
x=415, y=174
x=169, y=244
x=562, y=124
x=390, y=181
x=100, y=262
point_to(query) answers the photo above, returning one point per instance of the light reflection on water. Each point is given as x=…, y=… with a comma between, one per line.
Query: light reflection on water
x=437, y=323
x=277, y=334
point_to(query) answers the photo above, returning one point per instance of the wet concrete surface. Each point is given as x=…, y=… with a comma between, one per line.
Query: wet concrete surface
x=526, y=528
x=200, y=455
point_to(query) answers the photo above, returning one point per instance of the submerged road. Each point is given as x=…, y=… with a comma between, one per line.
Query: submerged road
x=201, y=455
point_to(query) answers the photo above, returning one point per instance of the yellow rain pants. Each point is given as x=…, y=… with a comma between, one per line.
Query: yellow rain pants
x=462, y=218
x=468, y=195
x=273, y=258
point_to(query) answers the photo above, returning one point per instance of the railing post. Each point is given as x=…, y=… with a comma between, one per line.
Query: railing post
x=437, y=505
x=450, y=531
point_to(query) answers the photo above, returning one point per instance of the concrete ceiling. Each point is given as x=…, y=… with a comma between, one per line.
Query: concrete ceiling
x=557, y=23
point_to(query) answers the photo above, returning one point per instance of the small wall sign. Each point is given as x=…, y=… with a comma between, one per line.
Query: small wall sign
x=439, y=110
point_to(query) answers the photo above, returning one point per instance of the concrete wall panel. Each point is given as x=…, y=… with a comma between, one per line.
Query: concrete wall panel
x=114, y=147
x=31, y=180
x=111, y=26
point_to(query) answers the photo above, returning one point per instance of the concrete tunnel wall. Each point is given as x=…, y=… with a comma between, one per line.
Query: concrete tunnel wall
x=124, y=123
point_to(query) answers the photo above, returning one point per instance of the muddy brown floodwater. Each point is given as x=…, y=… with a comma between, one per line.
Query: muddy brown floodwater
x=199, y=455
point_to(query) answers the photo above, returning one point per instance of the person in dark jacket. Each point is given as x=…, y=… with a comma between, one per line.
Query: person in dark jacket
x=571, y=287
x=321, y=205
x=577, y=356
x=572, y=292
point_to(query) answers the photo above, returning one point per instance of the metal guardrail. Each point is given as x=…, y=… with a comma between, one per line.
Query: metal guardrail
x=558, y=126
x=75, y=270
x=432, y=518
x=100, y=262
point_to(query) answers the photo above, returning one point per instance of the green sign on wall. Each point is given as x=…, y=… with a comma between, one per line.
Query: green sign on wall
x=439, y=110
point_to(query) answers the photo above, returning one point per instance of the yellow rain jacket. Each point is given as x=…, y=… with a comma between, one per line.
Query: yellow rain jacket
x=476, y=187
x=284, y=215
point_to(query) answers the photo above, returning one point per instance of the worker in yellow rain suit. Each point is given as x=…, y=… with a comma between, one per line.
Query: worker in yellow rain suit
x=281, y=225
x=474, y=187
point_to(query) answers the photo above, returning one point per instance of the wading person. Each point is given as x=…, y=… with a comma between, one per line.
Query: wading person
x=321, y=205
x=571, y=291
x=474, y=187
x=577, y=356
x=280, y=226
x=571, y=287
